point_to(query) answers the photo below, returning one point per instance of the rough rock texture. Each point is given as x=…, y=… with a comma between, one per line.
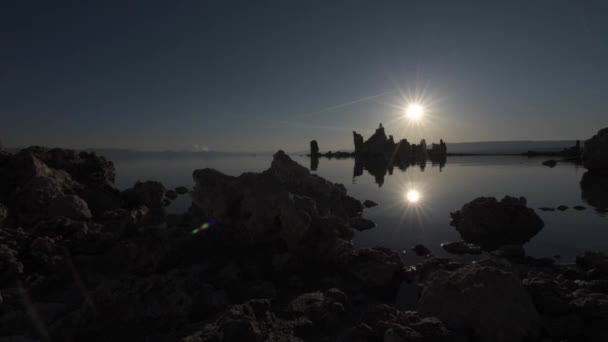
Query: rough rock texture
x=149, y=193
x=281, y=203
x=69, y=206
x=595, y=153
x=491, y=224
x=467, y=300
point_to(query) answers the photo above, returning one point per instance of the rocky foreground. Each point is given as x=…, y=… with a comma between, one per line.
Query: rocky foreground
x=261, y=257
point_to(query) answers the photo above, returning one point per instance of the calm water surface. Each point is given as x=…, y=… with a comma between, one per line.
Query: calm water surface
x=423, y=216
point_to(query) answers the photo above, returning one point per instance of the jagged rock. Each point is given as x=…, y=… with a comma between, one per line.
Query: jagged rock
x=10, y=265
x=149, y=193
x=369, y=204
x=595, y=153
x=181, y=190
x=45, y=252
x=70, y=206
x=591, y=305
x=421, y=250
x=466, y=300
x=374, y=267
x=281, y=202
x=161, y=299
x=34, y=198
x=461, y=247
x=492, y=224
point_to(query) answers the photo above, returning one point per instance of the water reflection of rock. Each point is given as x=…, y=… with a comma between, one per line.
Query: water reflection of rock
x=379, y=167
x=594, y=191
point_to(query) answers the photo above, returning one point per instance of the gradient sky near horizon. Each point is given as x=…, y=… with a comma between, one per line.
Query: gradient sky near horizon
x=264, y=75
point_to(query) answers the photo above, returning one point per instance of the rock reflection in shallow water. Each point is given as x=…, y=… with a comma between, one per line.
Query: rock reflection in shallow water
x=594, y=191
x=379, y=167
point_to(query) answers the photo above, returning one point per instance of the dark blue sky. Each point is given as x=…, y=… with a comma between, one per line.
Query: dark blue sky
x=263, y=75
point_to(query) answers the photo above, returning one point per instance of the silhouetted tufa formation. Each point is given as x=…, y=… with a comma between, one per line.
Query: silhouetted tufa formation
x=595, y=153
x=314, y=148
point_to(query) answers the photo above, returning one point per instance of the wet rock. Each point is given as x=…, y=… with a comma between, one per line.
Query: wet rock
x=579, y=207
x=550, y=163
x=546, y=209
x=181, y=190
x=466, y=300
x=70, y=206
x=149, y=193
x=595, y=153
x=374, y=267
x=461, y=247
x=421, y=250
x=491, y=224
x=369, y=203
x=562, y=208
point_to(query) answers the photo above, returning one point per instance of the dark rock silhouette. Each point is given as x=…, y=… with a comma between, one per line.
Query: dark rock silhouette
x=499, y=310
x=550, y=163
x=369, y=203
x=491, y=224
x=595, y=153
x=181, y=190
x=594, y=191
x=314, y=148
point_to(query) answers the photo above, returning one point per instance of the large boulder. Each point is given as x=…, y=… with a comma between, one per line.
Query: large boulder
x=70, y=206
x=285, y=203
x=149, y=193
x=595, y=153
x=594, y=191
x=374, y=267
x=491, y=224
x=485, y=302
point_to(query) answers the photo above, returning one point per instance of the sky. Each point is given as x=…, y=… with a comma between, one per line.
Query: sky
x=269, y=75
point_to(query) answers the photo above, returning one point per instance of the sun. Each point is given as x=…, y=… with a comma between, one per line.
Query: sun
x=413, y=196
x=414, y=111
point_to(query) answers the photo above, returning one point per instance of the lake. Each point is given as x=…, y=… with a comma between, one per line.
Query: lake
x=423, y=216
